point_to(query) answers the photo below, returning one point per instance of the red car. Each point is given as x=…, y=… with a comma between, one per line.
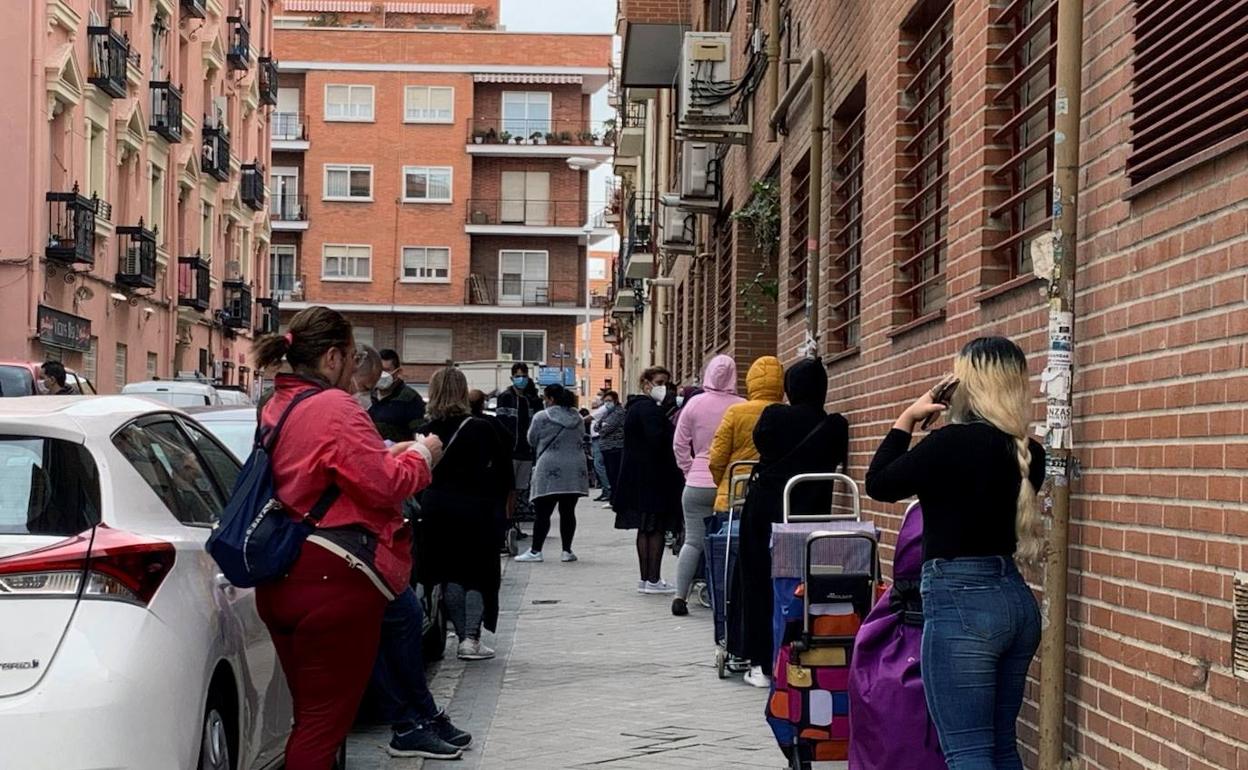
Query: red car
x=18, y=378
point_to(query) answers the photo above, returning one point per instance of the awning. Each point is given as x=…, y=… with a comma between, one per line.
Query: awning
x=329, y=6
x=512, y=77
x=652, y=55
x=442, y=9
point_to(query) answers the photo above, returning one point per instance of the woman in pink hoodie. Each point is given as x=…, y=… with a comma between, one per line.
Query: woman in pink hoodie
x=695, y=430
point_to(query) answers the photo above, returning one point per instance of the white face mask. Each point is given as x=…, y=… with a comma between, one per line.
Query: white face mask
x=658, y=393
x=385, y=381
x=680, y=401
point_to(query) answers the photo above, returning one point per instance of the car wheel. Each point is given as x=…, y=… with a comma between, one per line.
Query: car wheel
x=214, y=748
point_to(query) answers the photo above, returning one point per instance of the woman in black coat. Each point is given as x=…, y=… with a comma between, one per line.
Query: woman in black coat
x=793, y=438
x=647, y=494
x=460, y=512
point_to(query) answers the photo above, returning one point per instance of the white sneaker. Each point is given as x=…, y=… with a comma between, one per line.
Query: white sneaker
x=661, y=587
x=530, y=556
x=756, y=677
x=472, y=649
x=607, y=506
x=641, y=586
x=567, y=556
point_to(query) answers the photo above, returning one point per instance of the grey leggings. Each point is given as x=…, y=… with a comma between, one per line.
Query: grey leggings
x=466, y=609
x=698, y=502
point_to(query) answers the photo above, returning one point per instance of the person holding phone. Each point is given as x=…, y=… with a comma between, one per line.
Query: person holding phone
x=976, y=479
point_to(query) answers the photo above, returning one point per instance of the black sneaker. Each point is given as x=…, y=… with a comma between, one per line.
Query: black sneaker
x=441, y=724
x=679, y=607
x=601, y=498
x=422, y=741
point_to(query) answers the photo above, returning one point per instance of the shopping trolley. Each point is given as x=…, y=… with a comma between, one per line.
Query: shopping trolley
x=721, y=557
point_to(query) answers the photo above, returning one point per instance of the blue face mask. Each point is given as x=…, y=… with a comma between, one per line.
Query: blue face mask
x=520, y=382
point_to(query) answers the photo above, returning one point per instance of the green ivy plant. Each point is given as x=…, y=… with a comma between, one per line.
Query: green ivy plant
x=762, y=216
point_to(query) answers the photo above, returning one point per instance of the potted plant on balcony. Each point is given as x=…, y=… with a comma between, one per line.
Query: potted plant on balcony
x=537, y=138
x=552, y=138
x=505, y=137
x=565, y=137
x=588, y=137
x=608, y=131
x=491, y=137
x=478, y=136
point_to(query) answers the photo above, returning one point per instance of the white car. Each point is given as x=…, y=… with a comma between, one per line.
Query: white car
x=177, y=393
x=121, y=644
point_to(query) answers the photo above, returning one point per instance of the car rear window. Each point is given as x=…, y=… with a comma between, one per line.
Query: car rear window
x=173, y=398
x=16, y=381
x=238, y=437
x=47, y=487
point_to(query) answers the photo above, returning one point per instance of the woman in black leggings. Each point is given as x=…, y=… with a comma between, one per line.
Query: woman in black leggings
x=560, y=475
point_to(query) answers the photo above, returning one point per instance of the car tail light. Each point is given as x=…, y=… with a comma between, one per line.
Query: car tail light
x=103, y=564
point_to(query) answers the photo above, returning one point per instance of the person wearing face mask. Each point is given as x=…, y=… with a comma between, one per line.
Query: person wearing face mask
x=397, y=409
x=560, y=477
x=54, y=381
x=611, y=440
x=367, y=374
x=325, y=615
x=647, y=493
x=516, y=407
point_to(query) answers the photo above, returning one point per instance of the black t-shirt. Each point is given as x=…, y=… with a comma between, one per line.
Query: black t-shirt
x=966, y=477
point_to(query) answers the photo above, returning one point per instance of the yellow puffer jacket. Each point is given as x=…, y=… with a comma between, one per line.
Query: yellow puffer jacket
x=734, y=440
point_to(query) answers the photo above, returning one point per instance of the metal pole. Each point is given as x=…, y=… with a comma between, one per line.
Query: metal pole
x=815, y=213
x=773, y=62
x=1059, y=379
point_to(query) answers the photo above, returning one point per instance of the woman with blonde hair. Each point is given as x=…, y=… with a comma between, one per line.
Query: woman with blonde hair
x=977, y=480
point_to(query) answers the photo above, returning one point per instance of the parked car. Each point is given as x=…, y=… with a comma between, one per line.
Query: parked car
x=121, y=644
x=232, y=395
x=180, y=393
x=236, y=428
x=18, y=378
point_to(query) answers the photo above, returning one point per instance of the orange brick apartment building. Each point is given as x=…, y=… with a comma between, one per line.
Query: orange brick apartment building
x=937, y=159
x=430, y=177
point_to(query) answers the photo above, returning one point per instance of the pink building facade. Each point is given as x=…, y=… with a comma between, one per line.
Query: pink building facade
x=134, y=234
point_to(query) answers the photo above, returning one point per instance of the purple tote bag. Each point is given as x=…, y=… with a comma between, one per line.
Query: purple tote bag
x=889, y=724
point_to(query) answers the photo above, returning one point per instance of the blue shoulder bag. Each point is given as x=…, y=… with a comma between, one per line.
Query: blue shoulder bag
x=256, y=540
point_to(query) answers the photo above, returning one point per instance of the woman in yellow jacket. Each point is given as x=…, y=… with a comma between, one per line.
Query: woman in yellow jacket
x=734, y=440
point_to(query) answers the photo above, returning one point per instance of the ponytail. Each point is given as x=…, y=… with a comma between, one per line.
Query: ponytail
x=312, y=332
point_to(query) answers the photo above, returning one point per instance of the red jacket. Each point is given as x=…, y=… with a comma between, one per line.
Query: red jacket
x=330, y=438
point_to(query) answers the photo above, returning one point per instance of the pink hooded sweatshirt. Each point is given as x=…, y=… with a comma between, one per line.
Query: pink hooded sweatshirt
x=700, y=418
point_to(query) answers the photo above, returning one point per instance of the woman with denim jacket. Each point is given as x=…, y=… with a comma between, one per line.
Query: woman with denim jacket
x=976, y=479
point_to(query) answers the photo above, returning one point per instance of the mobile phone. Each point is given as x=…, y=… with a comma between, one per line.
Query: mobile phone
x=943, y=396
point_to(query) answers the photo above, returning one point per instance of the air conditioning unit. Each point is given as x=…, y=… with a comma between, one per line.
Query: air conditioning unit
x=679, y=229
x=118, y=8
x=699, y=171
x=706, y=77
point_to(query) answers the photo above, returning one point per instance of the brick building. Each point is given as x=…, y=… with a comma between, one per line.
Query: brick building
x=430, y=177
x=937, y=151
x=134, y=233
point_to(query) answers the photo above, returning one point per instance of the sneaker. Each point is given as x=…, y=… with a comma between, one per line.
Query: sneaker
x=448, y=732
x=608, y=505
x=600, y=498
x=680, y=607
x=530, y=556
x=422, y=741
x=472, y=649
x=661, y=587
x=641, y=586
x=568, y=556
x=756, y=677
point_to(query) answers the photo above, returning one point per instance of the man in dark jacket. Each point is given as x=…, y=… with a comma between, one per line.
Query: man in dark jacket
x=516, y=407
x=611, y=439
x=55, y=381
x=398, y=411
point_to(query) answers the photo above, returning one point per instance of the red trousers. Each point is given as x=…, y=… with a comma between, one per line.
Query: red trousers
x=325, y=620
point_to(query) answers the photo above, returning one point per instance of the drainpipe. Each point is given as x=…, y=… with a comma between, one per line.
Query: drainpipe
x=813, y=70
x=1061, y=314
x=773, y=62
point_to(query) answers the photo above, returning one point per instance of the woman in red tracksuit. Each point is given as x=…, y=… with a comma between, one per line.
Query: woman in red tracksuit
x=325, y=615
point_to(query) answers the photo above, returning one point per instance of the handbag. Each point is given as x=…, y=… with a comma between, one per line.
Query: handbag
x=256, y=540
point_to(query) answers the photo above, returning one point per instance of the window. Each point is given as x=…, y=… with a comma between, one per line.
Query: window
x=679, y=334
x=725, y=282
x=349, y=103
x=281, y=271
x=1189, y=100
x=523, y=278
x=346, y=263
x=153, y=363
x=426, y=346
x=119, y=366
x=606, y=363
x=707, y=282
x=164, y=457
x=363, y=335
x=156, y=216
x=223, y=468
x=160, y=41
x=427, y=183
x=429, y=104
x=348, y=183
x=526, y=198
x=526, y=113
x=799, y=220
x=97, y=163
x=206, y=232
x=848, y=139
x=597, y=269
x=522, y=345
x=1029, y=93
x=89, y=358
x=47, y=487
x=927, y=35
x=426, y=264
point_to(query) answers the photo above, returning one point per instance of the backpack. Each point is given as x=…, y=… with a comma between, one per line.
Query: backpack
x=256, y=540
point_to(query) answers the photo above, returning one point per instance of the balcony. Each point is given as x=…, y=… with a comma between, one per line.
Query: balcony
x=288, y=211
x=290, y=131
x=238, y=56
x=509, y=291
x=195, y=8
x=237, y=308
x=632, y=137
x=71, y=228
x=216, y=155
x=487, y=216
x=136, y=257
x=268, y=81
x=251, y=189
x=166, y=110
x=194, y=282
x=110, y=54
x=551, y=137
x=270, y=319
x=638, y=247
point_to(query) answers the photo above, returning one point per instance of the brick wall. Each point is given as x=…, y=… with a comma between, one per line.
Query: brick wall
x=569, y=189
x=565, y=263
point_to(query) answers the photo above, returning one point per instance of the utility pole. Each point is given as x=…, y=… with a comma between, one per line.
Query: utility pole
x=1058, y=378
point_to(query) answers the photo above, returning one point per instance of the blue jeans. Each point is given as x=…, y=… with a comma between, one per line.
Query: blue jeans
x=981, y=629
x=600, y=468
x=399, y=673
